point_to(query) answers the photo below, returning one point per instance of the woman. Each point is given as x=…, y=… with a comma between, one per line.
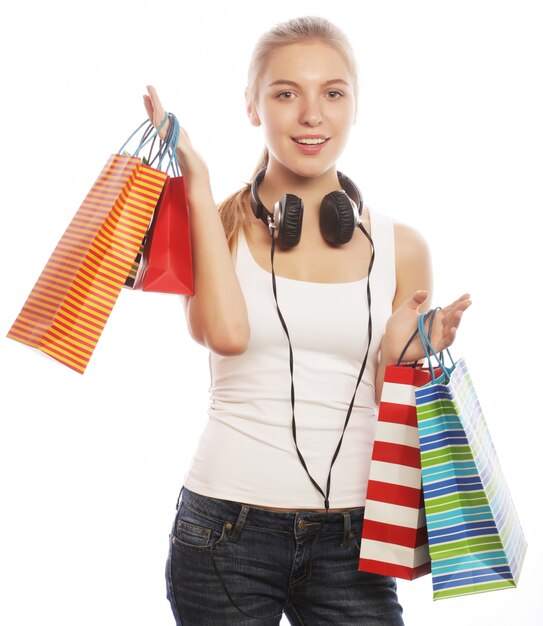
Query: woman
x=263, y=526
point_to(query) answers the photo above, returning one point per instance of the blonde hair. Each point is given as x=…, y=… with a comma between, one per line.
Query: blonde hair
x=309, y=28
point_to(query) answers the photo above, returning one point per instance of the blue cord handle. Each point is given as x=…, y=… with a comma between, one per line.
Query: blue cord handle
x=174, y=163
x=167, y=147
x=430, y=351
x=428, y=315
x=151, y=137
x=145, y=140
x=170, y=148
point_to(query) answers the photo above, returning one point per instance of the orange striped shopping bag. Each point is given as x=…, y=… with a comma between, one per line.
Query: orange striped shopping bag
x=70, y=303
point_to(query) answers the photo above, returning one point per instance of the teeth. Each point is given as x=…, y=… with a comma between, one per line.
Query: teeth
x=310, y=141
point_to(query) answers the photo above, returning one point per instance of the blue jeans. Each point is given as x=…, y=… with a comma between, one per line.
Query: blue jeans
x=231, y=564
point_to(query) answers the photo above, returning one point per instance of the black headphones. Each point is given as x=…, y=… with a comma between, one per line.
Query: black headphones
x=340, y=213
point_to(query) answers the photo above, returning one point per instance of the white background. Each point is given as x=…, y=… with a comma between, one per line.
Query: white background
x=449, y=139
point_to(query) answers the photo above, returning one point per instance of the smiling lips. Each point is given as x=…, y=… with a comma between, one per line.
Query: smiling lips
x=310, y=144
x=310, y=140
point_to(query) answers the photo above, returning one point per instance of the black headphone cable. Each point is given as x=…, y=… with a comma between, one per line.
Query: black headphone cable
x=291, y=365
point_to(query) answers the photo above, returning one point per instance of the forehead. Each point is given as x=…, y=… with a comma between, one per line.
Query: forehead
x=309, y=61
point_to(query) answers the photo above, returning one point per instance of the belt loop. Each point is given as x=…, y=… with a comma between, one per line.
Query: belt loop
x=234, y=535
x=346, y=528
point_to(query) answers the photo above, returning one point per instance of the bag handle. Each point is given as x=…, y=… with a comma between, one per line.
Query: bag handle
x=167, y=147
x=162, y=147
x=431, y=351
x=428, y=315
x=171, y=147
x=146, y=138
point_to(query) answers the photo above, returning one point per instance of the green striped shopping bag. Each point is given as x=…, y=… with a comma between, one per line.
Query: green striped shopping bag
x=475, y=539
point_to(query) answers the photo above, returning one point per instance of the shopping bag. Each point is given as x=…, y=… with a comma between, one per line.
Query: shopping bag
x=394, y=540
x=71, y=301
x=164, y=261
x=166, y=258
x=474, y=534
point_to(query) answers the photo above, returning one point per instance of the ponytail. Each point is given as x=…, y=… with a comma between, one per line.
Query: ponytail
x=233, y=210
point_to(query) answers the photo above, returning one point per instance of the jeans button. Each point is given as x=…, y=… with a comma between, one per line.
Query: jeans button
x=301, y=524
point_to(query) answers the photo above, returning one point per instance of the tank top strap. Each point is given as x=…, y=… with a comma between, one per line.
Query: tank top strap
x=384, y=269
x=245, y=264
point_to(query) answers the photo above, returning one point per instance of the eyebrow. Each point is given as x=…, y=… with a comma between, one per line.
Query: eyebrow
x=282, y=81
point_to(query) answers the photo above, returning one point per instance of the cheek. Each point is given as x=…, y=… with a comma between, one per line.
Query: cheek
x=277, y=142
x=344, y=126
x=346, y=116
x=277, y=125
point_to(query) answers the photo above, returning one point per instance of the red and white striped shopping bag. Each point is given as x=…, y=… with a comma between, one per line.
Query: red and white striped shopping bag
x=394, y=538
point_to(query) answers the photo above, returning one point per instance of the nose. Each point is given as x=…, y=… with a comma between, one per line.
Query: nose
x=311, y=114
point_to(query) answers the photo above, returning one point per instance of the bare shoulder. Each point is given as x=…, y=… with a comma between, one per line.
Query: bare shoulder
x=413, y=264
x=410, y=244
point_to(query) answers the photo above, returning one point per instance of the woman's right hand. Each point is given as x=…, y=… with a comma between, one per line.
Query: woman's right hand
x=192, y=165
x=216, y=312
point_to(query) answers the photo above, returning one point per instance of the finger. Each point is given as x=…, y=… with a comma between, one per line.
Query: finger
x=459, y=301
x=157, y=112
x=418, y=298
x=157, y=105
x=463, y=302
x=455, y=312
x=456, y=318
x=459, y=305
x=148, y=107
x=450, y=328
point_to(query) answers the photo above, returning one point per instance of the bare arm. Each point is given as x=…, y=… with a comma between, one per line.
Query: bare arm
x=413, y=294
x=216, y=313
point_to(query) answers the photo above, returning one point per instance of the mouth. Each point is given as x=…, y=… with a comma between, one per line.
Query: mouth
x=310, y=141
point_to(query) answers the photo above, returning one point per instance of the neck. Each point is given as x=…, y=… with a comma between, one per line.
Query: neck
x=279, y=180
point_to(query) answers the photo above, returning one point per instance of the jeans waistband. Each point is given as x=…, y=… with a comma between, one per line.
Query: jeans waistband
x=221, y=510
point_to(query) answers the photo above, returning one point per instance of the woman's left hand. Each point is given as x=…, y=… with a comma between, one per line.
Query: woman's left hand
x=403, y=323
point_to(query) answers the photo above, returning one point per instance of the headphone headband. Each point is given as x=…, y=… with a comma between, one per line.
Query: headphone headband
x=259, y=209
x=351, y=190
x=262, y=213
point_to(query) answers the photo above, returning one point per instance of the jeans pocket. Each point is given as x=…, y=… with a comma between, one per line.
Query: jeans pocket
x=192, y=534
x=194, y=531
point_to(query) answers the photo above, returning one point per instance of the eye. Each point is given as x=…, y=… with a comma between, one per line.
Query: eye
x=334, y=94
x=286, y=95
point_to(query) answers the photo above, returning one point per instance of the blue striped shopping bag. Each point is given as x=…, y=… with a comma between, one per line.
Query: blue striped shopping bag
x=475, y=539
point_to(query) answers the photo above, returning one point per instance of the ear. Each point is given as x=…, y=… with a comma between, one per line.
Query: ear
x=251, y=110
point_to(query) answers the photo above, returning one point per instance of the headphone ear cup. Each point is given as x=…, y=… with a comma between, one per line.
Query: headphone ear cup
x=290, y=228
x=337, y=221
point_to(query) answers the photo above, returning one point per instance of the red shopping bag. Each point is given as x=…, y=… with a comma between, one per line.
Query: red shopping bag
x=394, y=535
x=166, y=264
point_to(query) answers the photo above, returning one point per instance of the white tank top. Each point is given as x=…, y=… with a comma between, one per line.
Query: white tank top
x=247, y=452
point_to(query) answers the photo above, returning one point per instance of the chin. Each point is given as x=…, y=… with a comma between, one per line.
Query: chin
x=313, y=170
x=308, y=167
